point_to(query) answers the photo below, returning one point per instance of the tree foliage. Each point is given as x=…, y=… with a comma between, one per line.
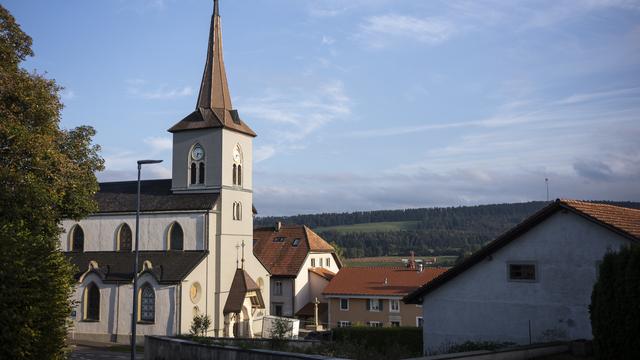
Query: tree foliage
x=46, y=174
x=615, y=314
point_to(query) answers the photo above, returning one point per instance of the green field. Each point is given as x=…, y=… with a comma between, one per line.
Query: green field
x=396, y=261
x=371, y=227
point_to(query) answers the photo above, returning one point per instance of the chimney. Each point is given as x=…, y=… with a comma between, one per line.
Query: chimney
x=420, y=267
x=278, y=225
x=412, y=262
x=386, y=281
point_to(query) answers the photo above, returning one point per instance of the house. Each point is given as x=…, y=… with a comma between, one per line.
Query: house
x=372, y=296
x=532, y=284
x=196, y=230
x=300, y=264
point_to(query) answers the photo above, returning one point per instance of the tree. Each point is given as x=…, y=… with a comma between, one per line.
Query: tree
x=46, y=175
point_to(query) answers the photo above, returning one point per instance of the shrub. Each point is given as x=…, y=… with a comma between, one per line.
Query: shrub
x=615, y=313
x=200, y=325
x=478, y=345
x=380, y=343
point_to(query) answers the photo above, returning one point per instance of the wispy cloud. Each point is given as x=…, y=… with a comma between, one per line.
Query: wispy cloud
x=67, y=94
x=295, y=114
x=139, y=88
x=159, y=144
x=377, y=31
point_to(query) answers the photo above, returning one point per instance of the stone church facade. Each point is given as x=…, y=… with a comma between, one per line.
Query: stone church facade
x=196, y=232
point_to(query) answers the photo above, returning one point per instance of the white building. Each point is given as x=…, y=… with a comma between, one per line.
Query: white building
x=532, y=284
x=300, y=264
x=195, y=230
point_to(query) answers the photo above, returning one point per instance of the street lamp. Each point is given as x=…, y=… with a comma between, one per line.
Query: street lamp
x=134, y=315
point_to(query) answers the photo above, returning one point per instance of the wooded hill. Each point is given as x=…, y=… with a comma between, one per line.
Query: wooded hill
x=427, y=231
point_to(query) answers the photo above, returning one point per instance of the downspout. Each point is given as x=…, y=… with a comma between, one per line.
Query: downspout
x=206, y=283
x=293, y=297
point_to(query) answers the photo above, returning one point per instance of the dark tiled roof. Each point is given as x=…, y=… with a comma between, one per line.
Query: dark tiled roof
x=241, y=284
x=371, y=280
x=167, y=266
x=281, y=258
x=624, y=221
x=155, y=195
x=206, y=118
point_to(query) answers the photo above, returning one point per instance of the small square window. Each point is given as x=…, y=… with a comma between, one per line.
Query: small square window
x=374, y=305
x=522, y=272
x=344, y=304
x=295, y=242
x=395, y=323
x=277, y=288
x=419, y=321
x=328, y=262
x=279, y=239
x=313, y=262
x=320, y=262
x=277, y=309
x=343, y=323
x=374, y=323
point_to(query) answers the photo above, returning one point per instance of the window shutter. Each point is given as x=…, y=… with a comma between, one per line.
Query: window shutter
x=381, y=302
x=368, y=304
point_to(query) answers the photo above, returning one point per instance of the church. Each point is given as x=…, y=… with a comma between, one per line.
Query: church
x=196, y=232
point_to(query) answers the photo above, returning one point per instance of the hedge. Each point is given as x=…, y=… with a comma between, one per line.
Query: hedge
x=382, y=343
x=615, y=306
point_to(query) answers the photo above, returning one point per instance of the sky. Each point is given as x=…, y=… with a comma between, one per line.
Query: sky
x=365, y=104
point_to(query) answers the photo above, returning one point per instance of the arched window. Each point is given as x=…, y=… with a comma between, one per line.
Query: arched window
x=124, y=238
x=193, y=173
x=176, y=237
x=239, y=211
x=235, y=205
x=77, y=239
x=235, y=175
x=239, y=174
x=147, y=304
x=201, y=174
x=92, y=302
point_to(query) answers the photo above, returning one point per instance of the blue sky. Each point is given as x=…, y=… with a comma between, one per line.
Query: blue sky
x=366, y=104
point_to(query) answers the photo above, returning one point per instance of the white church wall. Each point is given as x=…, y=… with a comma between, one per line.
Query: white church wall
x=100, y=231
x=190, y=305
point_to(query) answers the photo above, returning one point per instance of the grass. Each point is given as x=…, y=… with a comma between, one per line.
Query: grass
x=371, y=227
x=396, y=261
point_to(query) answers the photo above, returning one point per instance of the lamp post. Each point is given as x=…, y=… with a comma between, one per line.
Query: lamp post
x=134, y=314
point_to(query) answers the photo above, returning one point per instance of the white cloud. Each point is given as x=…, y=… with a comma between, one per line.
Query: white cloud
x=376, y=31
x=159, y=144
x=263, y=153
x=67, y=94
x=139, y=88
x=295, y=114
x=327, y=40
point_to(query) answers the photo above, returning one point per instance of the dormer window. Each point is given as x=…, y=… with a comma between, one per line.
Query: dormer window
x=197, y=166
x=295, y=242
x=279, y=239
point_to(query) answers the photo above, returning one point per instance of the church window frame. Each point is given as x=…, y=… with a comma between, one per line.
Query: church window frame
x=91, y=301
x=76, y=239
x=146, y=304
x=238, y=159
x=197, y=166
x=125, y=234
x=175, y=237
x=237, y=210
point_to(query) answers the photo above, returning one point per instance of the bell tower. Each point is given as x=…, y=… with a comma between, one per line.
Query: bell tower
x=213, y=152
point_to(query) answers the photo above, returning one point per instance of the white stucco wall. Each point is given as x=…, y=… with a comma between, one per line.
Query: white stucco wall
x=100, y=231
x=302, y=283
x=482, y=304
x=116, y=310
x=317, y=284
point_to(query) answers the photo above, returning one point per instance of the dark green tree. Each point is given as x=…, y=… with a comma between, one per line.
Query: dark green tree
x=615, y=313
x=46, y=174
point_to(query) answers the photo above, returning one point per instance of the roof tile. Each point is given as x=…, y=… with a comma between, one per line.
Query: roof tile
x=371, y=280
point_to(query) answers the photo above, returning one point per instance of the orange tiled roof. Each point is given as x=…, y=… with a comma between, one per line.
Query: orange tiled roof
x=281, y=258
x=322, y=272
x=371, y=280
x=625, y=219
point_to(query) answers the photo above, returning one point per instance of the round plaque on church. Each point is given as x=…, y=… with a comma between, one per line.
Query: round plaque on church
x=195, y=292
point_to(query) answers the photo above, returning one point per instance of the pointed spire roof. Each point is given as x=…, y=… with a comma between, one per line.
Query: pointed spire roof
x=213, y=108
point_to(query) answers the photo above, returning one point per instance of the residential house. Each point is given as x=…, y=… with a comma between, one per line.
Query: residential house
x=195, y=230
x=300, y=264
x=532, y=284
x=372, y=296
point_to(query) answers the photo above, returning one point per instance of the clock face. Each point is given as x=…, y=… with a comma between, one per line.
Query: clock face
x=197, y=153
x=236, y=155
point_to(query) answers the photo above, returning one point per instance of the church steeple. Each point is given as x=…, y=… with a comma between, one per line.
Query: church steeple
x=214, y=89
x=213, y=108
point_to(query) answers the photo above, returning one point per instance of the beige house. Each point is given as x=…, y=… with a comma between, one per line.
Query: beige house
x=300, y=264
x=196, y=231
x=372, y=296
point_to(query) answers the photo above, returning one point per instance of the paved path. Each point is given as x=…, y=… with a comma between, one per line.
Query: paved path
x=90, y=353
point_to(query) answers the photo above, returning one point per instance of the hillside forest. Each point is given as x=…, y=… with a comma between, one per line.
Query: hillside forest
x=450, y=231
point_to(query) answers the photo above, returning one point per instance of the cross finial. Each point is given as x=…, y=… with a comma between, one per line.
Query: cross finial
x=237, y=248
x=242, y=254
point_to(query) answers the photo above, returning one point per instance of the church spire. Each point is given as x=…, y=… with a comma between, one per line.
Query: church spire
x=214, y=89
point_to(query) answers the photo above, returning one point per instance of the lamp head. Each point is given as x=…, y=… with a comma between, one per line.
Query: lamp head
x=143, y=162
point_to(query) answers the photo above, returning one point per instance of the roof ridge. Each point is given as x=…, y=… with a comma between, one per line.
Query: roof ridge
x=595, y=203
